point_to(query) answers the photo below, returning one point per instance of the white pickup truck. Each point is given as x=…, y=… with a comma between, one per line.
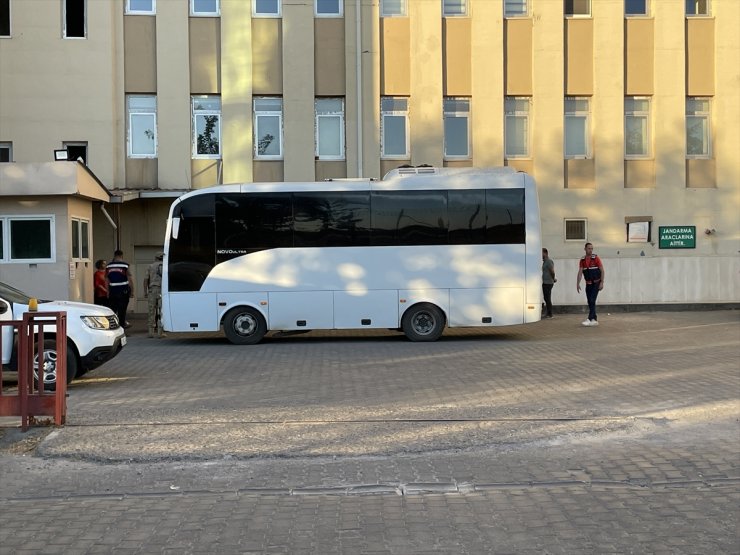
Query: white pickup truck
x=94, y=335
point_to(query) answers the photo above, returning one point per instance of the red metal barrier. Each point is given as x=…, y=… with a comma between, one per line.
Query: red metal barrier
x=32, y=398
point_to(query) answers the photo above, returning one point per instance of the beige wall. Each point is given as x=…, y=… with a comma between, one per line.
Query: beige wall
x=236, y=91
x=518, y=56
x=267, y=56
x=205, y=55
x=640, y=55
x=330, y=66
x=395, y=56
x=579, y=61
x=173, y=96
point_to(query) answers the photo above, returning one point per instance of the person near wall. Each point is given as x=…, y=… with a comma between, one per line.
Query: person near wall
x=100, y=284
x=592, y=271
x=153, y=293
x=120, y=286
x=548, y=280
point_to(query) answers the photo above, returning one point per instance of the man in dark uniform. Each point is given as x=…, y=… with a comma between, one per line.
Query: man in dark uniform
x=120, y=286
x=592, y=270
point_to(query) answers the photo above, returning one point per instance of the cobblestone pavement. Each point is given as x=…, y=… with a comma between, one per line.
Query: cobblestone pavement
x=547, y=438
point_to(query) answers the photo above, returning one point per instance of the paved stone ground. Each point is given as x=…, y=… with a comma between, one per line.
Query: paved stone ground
x=548, y=438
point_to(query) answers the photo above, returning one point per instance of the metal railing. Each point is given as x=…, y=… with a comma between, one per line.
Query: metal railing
x=32, y=398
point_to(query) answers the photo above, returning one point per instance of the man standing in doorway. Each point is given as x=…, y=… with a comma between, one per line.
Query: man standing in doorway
x=153, y=293
x=120, y=286
x=592, y=270
x=548, y=280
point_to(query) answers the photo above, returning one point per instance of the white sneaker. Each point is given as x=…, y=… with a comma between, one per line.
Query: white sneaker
x=586, y=323
x=594, y=323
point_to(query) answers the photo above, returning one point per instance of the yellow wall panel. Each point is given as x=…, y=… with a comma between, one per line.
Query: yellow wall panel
x=518, y=57
x=205, y=55
x=580, y=174
x=457, y=59
x=639, y=174
x=579, y=39
x=267, y=56
x=395, y=56
x=701, y=173
x=700, y=57
x=639, y=42
x=329, y=68
x=140, y=56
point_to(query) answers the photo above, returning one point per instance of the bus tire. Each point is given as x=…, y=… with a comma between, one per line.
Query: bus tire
x=244, y=325
x=423, y=322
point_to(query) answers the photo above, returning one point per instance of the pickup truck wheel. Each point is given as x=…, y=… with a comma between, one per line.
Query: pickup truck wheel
x=49, y=366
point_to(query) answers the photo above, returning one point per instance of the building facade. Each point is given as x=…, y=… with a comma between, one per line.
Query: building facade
x=626, y=112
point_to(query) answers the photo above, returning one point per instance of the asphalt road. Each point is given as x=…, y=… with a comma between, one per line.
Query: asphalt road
x=547, y=438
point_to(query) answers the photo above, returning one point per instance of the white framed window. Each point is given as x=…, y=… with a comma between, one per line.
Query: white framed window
x=330, y=128
x=517, y=110
x=141, y=7
x=577, y=8
x=637, y=127
x=268, y=128
x=457, y=127
x=74, y=14
x=266, y=8
x=5, y=18
x=636, y=8
x=394, y=127
x=205, y=8
x=206, y=127
x=80, y=239
x=454, y=8
x=142, y=126
x=27, y=239
x=577, y=127
x=576, y=229
x=328, y=8
x=391, y=8
x=6, y=151
x=698, y=7
x=698, y=129
x=516, y=8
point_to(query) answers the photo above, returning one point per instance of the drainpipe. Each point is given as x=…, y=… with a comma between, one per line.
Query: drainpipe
x=358, y=73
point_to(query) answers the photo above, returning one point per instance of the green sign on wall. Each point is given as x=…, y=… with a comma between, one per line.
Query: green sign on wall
x=677, y=237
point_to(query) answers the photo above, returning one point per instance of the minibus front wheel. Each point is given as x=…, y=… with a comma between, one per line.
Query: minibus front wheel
x=244, y=325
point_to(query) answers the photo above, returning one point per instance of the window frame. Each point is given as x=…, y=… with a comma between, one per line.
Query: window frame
x=328, y=114
x=129, y=11
x=464, y=5
x=403, y=13
x=129, y=127
x=216, y=13
x=276, y=14
x=10, y=19
x=575, y=239
x=257, y=114
x=707, y=117
x=696, y=13
x=339, y=13
x=394, y=113
x=525, y=13
x=7, y=145
x=642, y=114
x=578, y=15
x=6, y=227
x=83, y=247
x=518, y=114
x=456, y=114
x=64, y=21
x=67, y=144
x=646, y=13
x=194, y=122
x=587, y=129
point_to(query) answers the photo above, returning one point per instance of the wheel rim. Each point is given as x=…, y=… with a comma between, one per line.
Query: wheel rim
x=423, y=322
x=49, y=367
x=245, y=324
